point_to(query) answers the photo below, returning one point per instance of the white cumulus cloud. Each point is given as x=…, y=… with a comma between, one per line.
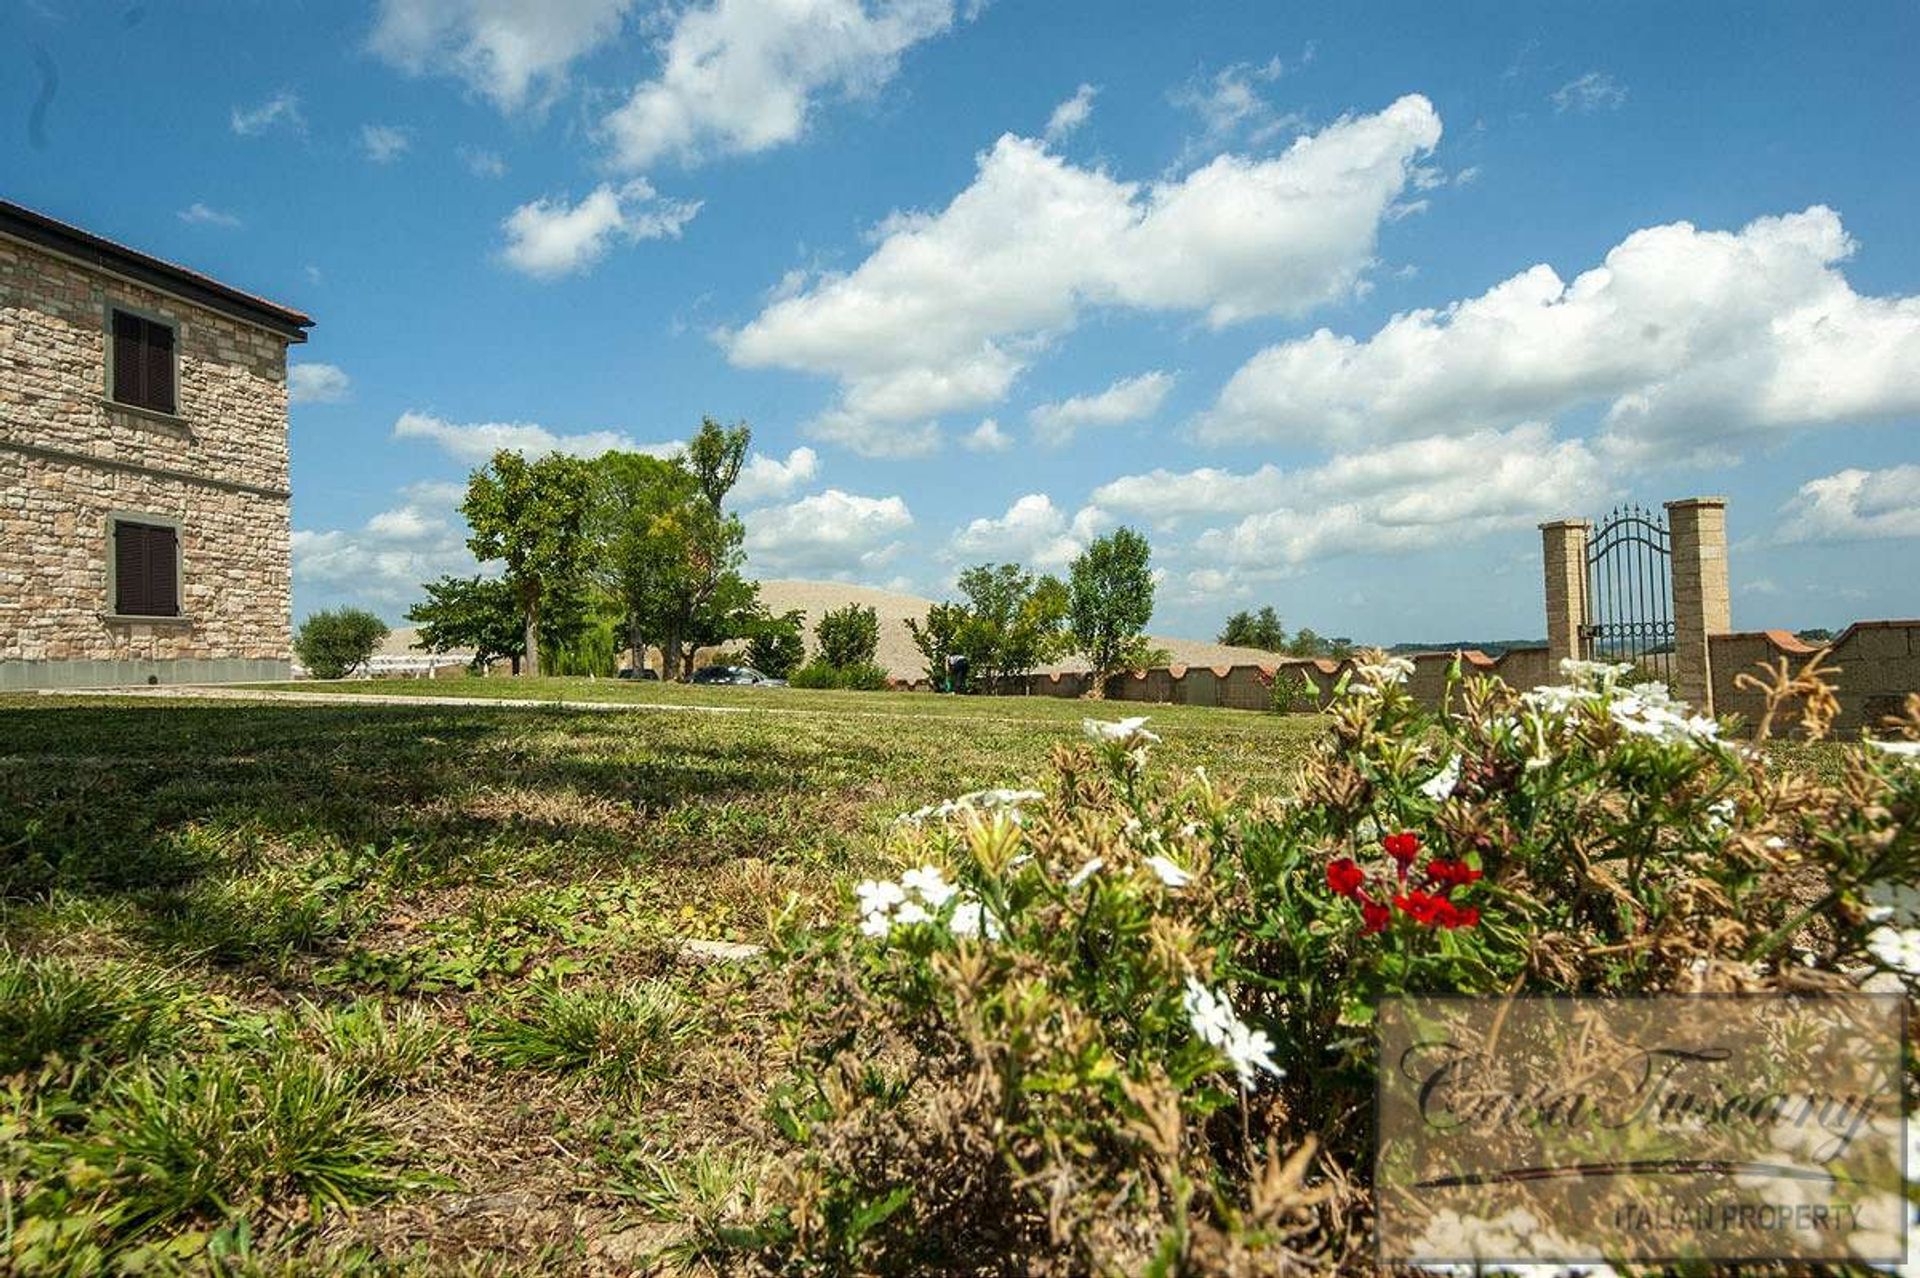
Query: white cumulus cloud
x=382, y=563
x=317, y=383
x=281, y=111
x=764, y=478
x=987, y=437
x=1855, y=505
x=952, y=305
x=1412, y=496
x=511, y=51
x=1071, y=114
x=1127, y=400
x=1033, y=531
x=741, y=76
x=385, y=143
x=1692, y=340
x=549, y=237
x=831, y=534
x=476, y=442
x=198, y=214
x=1594, y=91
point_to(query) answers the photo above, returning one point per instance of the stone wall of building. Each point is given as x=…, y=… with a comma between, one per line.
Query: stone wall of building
x=69, y=457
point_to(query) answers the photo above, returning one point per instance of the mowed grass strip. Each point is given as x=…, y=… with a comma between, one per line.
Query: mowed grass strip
x=260, y=961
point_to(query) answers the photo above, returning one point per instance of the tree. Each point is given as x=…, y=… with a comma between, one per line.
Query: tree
x=532, y=516
x=639, y=540
x=848, y=636
x=1110, y=602
x=777, y=645
x=938, y=638
x=705, y=600
x=1255, y=630
x=335, y=642
x=1012, y=621
x=477, y=613
x=714, y=457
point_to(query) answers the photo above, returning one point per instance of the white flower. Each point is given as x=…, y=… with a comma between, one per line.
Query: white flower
x=1246, y=1049
x=1898, y=948
x=1440, y=785
x=971, y=918
x=1593, y=674
x=966, y=919
x=1894, y=903
x=1719, y=816
x=1371, y=679
x=1086, y=872
x=879, y=895
x=1121, y=732
x=1169, y=873
x=974, y=804
x=930, y=884
x=876, y=925
x=911, y=912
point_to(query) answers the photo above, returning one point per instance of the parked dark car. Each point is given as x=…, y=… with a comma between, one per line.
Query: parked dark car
x=737, y=676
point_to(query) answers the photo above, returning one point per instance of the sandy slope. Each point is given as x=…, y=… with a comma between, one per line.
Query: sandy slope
x=897, y=652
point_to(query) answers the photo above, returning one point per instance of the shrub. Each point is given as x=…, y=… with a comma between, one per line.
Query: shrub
x=776, y=647
x=865, y=677
x=333, y=643
x=1293, y=692
x=848, y=636
x=1126, y=1028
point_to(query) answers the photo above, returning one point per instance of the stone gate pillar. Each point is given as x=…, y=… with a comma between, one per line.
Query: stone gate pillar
x=1702, y=606
x=1564, y=547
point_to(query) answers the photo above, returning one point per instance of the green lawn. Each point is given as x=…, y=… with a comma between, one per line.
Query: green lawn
x=426, y=959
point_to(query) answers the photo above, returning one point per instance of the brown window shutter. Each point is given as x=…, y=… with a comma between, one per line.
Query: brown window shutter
x=130, y=569
x=163, y=572
x=159, y=359
x=146, y=570
x=129, y=357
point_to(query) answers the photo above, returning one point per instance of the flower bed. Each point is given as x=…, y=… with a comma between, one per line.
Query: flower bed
x=1125, y=1025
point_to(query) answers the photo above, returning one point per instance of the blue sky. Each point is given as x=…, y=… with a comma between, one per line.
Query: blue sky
x=1335, y=304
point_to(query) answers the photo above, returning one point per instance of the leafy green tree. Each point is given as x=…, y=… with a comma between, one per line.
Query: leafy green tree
x=1110, y=602
x=532, y=516
x=848, y=637
x=714, y=457
x=1255, y=630
x=1309, y=644
x=1013, y=621
x=705, y=600
x=476, y=613
x=335, y=642
x=938, y=638
x=777, y=645
x=639, y=537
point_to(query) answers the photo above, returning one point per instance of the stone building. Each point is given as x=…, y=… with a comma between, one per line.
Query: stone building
x=144, y=499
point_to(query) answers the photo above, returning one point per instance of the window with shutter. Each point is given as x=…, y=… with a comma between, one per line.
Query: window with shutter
x=143, y=362
x=146, y=570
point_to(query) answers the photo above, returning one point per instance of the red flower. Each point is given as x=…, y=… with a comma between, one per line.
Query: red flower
x=1374, y=916
x=1403, y=848
x=1344, y=877
x=1450, y=874
x=1436, y=911
x=1418, y=905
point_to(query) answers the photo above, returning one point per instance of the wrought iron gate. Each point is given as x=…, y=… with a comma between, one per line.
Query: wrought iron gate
x=1629, y=594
